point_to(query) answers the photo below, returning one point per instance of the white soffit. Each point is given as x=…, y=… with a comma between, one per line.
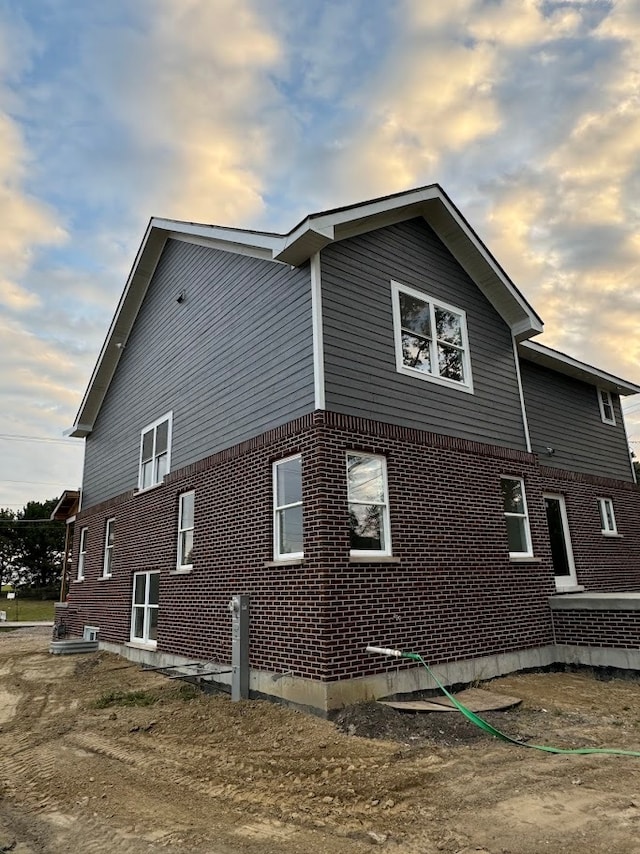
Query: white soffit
x=531, y=351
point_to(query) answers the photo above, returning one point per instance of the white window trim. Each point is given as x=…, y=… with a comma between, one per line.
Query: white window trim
x=386, y=520
x=277, y=554
x=467, y=385
x=107, y=560
x=153, y=426
x=605, y=397
x=524, y=515
x=82, y=553
x=606, y=531
x=564, y=582
x=184, y=567
x=144, y=641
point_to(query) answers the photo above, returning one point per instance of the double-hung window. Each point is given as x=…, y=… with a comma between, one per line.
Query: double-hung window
x=109, y=534
x=155, y=452
x=607, y=411
x=287, y=508
x=185, y=530
x=144, y=612
x=369, y=527
x=82, y=553
x=430, y=338
x=514, y=502
x=607, y=517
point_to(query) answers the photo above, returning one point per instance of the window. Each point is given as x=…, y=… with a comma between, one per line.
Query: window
x=185, y=530
x=607, y=517
x=368, y=504
x=514, y=503
x=144, y=614
x=287, y=508
x=607, y=412
x=82, y=553
x=109, y=532
x=155, y=452
x=431, y=338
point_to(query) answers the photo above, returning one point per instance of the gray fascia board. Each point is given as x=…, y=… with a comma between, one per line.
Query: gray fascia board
x=126, y=312
x=537, y=353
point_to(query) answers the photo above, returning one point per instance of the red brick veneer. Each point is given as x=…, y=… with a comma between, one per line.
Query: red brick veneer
x=454, y=593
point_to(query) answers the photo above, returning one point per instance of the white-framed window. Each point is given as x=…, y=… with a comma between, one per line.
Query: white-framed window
x=514, y=503
x=607, y=411
x=155, y=452
x=287, y=508
x=109, y=534
x=368, y=497
x=431, y=338
x=144, y=611
x=82, y=553
x=607, y=517
x=185, y=530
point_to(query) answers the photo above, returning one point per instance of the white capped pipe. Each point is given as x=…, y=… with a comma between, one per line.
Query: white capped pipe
x=381, y=650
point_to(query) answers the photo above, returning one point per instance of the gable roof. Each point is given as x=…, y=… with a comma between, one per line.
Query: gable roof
x=311, y=235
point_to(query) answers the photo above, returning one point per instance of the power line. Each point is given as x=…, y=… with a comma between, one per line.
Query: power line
x=29, y=521
x=37, y=482
x=19, y=437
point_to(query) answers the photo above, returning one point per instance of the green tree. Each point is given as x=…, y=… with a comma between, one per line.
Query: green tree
x=34, y=544
x=7, y=545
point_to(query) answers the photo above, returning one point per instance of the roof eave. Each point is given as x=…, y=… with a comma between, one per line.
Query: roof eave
x=567, y=365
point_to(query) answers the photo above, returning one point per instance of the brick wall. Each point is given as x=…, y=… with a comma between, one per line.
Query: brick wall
x=602, y=563
x=452, y=594
x=610, y=629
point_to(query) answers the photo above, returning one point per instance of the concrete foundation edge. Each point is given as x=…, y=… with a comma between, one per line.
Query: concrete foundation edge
x=324, y=697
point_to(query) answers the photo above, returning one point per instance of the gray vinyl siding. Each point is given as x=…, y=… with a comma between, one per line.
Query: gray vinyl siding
x=564, y=414
x=360, y=364
x=233, y=360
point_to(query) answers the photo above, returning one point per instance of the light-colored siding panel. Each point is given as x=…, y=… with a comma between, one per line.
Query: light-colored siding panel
x=232, y=360
x=563, y=414
x=360, y=363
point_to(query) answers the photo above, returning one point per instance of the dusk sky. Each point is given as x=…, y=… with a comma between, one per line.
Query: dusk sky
x=253, y=113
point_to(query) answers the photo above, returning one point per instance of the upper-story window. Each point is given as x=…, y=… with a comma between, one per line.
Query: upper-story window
x=109, y=534
x=185, y=531
x=607, y=412
x=287, y=508
x=82, y=553
x=514, y=503
x=155, y=452
x=431, y=338
x=368, y=497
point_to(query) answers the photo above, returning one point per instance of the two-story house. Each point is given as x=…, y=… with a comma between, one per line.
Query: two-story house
x=351, y=424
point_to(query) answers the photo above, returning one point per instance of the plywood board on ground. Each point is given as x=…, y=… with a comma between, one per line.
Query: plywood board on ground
x=475, y=699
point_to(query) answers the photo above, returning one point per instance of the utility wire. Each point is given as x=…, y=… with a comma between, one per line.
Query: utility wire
x=19, y=437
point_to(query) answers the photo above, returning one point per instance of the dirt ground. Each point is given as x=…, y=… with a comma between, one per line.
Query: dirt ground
x=82, y=772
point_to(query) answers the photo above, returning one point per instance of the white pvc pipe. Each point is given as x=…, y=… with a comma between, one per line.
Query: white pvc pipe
x=381, y=650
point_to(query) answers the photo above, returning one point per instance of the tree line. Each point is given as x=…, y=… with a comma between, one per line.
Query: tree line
x=31, y=546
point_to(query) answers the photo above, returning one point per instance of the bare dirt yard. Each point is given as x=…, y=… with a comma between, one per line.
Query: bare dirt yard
x=82, y=771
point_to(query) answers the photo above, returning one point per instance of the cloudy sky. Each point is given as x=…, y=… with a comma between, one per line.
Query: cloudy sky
x=253, y=113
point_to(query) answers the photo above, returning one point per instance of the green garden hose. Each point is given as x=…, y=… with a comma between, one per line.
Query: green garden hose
x=487, y=727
